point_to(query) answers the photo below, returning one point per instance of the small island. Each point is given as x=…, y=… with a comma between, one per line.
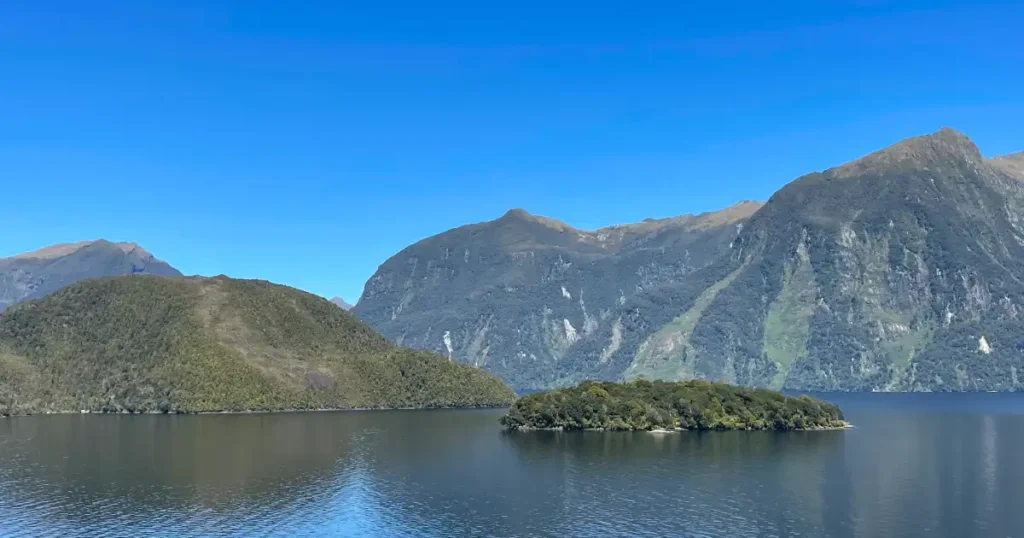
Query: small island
x=670, y=406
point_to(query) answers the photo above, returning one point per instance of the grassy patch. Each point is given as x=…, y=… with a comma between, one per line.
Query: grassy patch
x=788, y=322
x=667, y=353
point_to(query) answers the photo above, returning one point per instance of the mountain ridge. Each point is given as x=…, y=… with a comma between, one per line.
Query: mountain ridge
x=891, y=260
x=58, y=250
x=1012, y=163
x=37, y=273
x=516, y=258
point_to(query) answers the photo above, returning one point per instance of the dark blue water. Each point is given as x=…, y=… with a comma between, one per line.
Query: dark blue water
x=916, y=465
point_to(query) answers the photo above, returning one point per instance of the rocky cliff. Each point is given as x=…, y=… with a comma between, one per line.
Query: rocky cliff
x=524, y=295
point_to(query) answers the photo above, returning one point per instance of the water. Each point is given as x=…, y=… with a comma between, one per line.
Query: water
x=916, y=465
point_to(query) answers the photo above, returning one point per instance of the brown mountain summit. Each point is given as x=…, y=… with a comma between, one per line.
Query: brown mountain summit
x=32, y=275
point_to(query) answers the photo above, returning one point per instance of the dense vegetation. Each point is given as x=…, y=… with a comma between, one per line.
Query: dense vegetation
x=159, y=344
x=691, y=405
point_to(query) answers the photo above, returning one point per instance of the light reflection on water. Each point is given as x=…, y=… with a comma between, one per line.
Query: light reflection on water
x=916, y=465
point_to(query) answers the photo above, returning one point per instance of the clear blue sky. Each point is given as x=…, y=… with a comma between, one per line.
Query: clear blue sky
x=305, y=142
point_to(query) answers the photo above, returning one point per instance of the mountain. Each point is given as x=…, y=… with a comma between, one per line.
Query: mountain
x=522, y=295
x=151, y=343
x=1012, y=164
x=341, y=302
x=35, y=274
x=902, y=270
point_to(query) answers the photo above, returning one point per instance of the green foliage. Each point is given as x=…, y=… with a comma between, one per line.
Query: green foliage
x=157, y=344
x=645, y=405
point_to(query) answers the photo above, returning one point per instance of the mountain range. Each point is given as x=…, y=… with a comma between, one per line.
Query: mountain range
x=901, y=270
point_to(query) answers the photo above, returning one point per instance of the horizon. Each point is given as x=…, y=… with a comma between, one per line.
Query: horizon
x=307, y=145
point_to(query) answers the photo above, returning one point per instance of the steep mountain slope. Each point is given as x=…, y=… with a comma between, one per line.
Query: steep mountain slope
x=902, y=270
x=521, y=295
x=35, y=274
x=341, y=302
x=1012, y=164
x=149, y=343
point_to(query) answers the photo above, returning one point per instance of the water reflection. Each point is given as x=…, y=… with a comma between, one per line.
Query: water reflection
x=903, y=471
x=748, y=482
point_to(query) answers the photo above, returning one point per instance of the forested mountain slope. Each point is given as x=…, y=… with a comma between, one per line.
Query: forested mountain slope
x=902, y=270
x=522, y=295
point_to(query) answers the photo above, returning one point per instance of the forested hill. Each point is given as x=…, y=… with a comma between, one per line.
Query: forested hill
x=160, y=344
x=658, y=405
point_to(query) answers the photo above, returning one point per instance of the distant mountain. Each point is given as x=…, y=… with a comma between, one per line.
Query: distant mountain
x=151, y=344
x=35, y=274
x=1012, y=164
x=902, y=270
x=341, y=302
x=521, y=295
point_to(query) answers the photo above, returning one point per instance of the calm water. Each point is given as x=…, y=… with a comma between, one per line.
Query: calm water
x=916, y=465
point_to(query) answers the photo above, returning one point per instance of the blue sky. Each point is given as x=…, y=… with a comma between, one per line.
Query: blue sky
x=306, y=142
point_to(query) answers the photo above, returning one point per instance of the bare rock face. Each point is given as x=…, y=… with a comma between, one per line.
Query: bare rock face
x=35, y=274
x=1012, y=164
x=881, y=274
x=884, y=273
x=535, y=300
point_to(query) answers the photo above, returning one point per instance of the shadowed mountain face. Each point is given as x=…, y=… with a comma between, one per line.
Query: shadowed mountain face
x=534, y=300
x=35, y=274
x=902, y=270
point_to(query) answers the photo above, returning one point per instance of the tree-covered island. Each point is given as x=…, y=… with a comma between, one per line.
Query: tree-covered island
x=660, y=405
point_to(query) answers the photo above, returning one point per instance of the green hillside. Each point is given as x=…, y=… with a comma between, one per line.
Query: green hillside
x=159, y=344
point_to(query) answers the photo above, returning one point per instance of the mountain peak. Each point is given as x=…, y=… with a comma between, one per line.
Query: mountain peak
x=64, y=249
x=31, y=275
x=341, y=302
x=519, y=214
x=918, y=152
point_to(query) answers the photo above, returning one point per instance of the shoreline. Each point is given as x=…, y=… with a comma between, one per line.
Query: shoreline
x=846, y=426
x=258, y=411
